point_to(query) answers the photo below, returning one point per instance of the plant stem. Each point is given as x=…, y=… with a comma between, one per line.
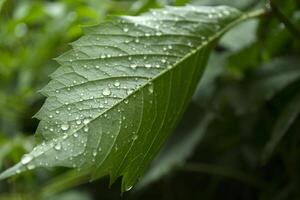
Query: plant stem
x=257, y=13
x=63, y=182
x=224, y=171
x=281, y=17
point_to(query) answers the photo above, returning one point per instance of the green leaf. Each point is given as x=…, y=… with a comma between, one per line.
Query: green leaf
x=122, y=89
x=177, y=151
x=282, y=125
x=1, y=4
x=264, y=84
x=240, y=36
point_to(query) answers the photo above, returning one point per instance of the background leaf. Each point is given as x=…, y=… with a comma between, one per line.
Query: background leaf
x=283, y=123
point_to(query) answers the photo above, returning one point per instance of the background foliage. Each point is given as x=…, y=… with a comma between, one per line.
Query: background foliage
x=239, y=138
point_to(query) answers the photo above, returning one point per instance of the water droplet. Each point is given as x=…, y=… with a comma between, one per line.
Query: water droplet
x=78, y=122
x=226, y=12
x=106, y=92
x=65, y=127
x=163, y=60
x=137, y=40
x=86, y=129
x=147, y=34
x=26, y=159
x=125, y=30
x=97, y=67
x=148, y=65
x=135, y=137
x=57, y=112
x=128, y=188
x=57, y=147
x=133, y=66
x=76, y=135
x=150, y=88
x=50, y=116
x=117, y=83
x=95, y=153
x=129, y=91
x=57, y=91
x=86, y=121
x=31, y=167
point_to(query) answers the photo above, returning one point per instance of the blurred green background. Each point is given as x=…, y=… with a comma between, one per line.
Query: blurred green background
x=239, y=138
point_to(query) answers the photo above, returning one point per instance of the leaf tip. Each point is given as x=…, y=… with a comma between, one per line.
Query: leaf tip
x=16, y=169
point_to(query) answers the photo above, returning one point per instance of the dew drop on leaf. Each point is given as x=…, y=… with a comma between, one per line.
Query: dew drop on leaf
x=117, y=84
x=133, y=66
x=65, y=127
x=31, y=167
x=148, y=65
x=86, y=121
x=129, y=91
x=106, y=92
x=129, y=188
x=26, y=159
x=125, y=30
x=135, y=137
x=95, y=153
x=57, y=147
x=150, y=88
